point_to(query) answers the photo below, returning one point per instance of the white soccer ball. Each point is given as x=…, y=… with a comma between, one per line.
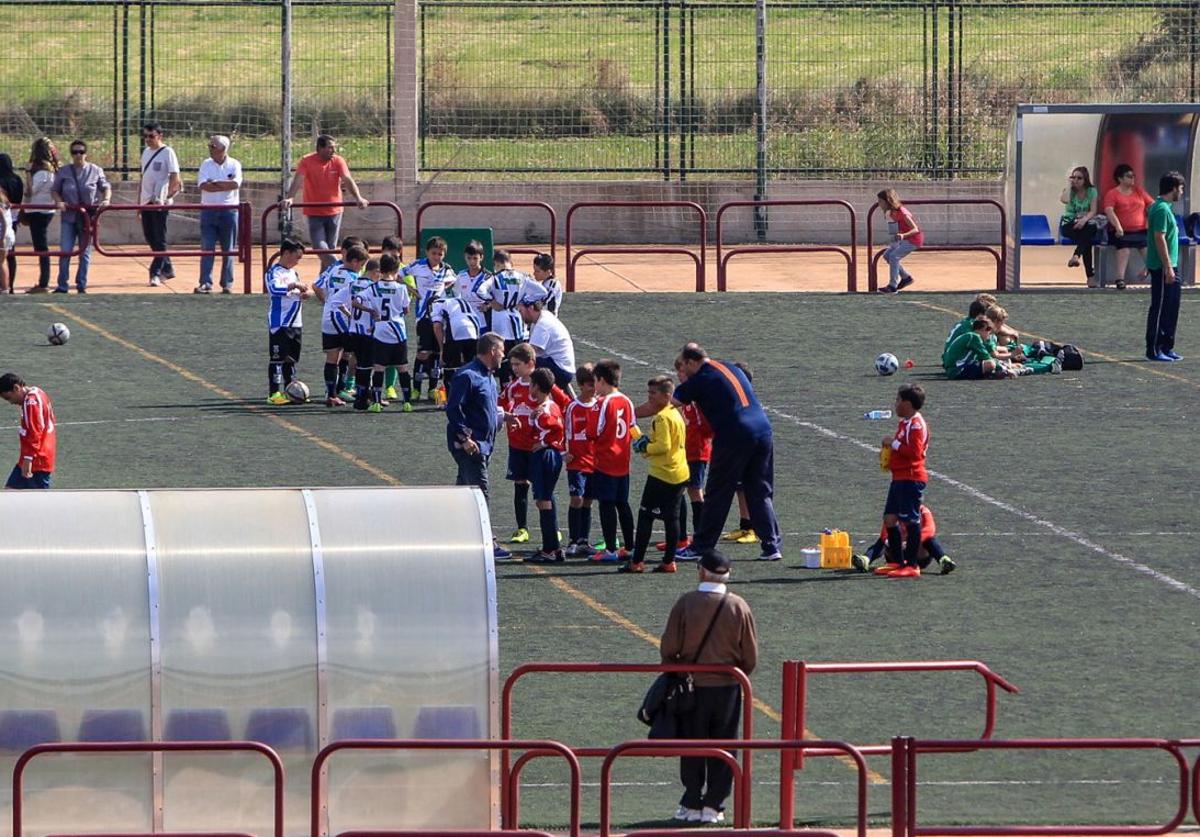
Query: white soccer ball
x=886, y=364
x=297, y=391
x=58, y=334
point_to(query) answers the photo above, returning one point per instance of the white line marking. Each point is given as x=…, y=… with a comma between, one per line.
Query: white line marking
x=120, y=421
x=1061, y=531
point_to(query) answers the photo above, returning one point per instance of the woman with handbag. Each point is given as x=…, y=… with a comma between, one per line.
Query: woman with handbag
x=14, y=190
x=39, y=177
x=79, y=190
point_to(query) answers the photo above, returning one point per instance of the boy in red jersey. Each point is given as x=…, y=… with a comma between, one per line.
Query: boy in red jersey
x=909, y=477
x=580, y=460
x=516, y=404
x=545, y=461
x=931, y=549
x=612, y=435
x=39, y=442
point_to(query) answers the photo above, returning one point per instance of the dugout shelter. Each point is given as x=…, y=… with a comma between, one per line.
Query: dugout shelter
x=291, y=617
x=1046, y=141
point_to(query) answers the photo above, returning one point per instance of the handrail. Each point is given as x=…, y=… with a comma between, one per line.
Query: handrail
x=719, y=748
x=999, y=252
x=851, y=256
x=904, y=814
x=147, y=747
x=701, y=216
x=528, y=204
x=510, y=788
x=278, y=205
x=59, y=253
x=541, y=746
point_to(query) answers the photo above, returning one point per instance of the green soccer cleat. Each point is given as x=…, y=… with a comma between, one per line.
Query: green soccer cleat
x=390, y=394
x=600, y=544
x=348, y=394
x=375, y=408
x=277, y=399
x=407, y=407
x=947, y=564
x=519, y=536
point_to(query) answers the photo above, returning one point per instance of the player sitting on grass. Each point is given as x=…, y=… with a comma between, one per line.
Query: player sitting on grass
x=283, y=319
x=545, y=461
x=909, y=476
x=968, y=357
x=427, y=278
x=579, y=416
x=665, y=447
x=335, y=320
x=386, y=301
x=1006, y=346
x=931, y=549
x=614, y=431
x=980, y=304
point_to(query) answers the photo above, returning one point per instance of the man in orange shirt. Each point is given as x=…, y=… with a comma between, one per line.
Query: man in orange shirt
x=322, y=174
x=38, y=441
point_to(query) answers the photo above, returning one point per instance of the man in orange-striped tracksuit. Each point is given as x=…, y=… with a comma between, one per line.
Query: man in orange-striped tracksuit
x=38, y=441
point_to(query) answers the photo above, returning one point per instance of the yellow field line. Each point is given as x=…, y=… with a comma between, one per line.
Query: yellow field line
x=189, y=375
x=1135, y=365
x=572, y=591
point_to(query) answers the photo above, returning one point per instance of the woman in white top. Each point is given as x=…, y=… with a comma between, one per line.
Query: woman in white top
x=39, y=180
x=14, y=190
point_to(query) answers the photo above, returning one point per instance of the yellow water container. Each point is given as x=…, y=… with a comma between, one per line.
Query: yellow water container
x=835, y=550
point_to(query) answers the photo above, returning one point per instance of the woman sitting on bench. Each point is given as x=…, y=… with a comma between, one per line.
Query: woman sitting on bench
x=1080, y=223
x=1125, y=205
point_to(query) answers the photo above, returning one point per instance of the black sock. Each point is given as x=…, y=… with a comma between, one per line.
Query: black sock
x=608, y=524
x=875, y=549
x=912, y=546
x=697, y=511
x=895, y=544
x=521, y=504
x=572, y=524
x=645, y=523
x=934, y=548
x=745, y=524
x=625, y=514
x=342, y=368
x=549, y=523
x=274, y=378
x=377, y=385
x=362, y=386
x=405, y=385
x=585, y=524
x=447, y=375
x=683, y=516
x=331, y=379
x=289, y=372
x=671, y=526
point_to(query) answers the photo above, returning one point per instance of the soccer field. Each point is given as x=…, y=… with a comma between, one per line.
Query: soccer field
x=1067, y=501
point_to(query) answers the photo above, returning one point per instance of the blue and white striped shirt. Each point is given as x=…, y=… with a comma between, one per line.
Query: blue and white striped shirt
x=285, y=305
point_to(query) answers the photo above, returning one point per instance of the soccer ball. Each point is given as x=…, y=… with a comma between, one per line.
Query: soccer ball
x=886, y=364
x=297, y=392
x=58, y=334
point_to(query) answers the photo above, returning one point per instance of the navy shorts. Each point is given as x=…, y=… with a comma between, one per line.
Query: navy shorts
x=330, y=342
x=577, y=483
x=904, y=500
x=518, y=465
x=697, y=474
x=607, y=488
x=40, y=479
x=544, y=467
x=972, y=370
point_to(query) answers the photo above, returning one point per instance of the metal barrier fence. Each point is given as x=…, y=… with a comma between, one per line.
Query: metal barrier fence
x=850, y=254
x=79, y=243
x=999, y=252
x=552, y=218
x=699, y=257
x=265, y=238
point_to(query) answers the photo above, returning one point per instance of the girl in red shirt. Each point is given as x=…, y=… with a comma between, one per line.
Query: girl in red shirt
x=906, y=237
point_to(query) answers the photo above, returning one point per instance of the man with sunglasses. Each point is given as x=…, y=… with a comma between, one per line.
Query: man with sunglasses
x=160, y=185
x=79, y=190
x=220, y=179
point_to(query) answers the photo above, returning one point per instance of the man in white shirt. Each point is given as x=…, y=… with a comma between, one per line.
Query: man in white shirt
x=548, y=335
x=220, y=179
x=160, y=185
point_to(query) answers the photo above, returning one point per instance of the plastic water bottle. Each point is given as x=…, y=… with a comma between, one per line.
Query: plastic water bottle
x=878, y=415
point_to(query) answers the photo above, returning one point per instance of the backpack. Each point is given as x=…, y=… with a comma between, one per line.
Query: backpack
x=1070, y=357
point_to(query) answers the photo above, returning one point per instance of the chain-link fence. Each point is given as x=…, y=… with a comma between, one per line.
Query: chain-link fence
x=666, y=89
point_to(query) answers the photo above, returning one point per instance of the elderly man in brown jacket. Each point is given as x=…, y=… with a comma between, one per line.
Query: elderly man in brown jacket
x=732, y=640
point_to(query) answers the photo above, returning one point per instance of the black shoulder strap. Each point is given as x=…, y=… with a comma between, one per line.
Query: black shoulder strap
x=711, y=625
x=149, y=162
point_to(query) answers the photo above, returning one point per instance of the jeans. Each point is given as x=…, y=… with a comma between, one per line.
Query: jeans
x=71, y=232
x=472, y=470
x=154, y=230
x=218, y=231
x=39, y=224
x=323, y=233
x=1163, y=315
x=892, y=254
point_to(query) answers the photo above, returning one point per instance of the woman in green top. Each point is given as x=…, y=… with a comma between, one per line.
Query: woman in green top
x=1081, y=221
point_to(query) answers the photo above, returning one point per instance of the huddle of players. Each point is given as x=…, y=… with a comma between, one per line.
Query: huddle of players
x=982, y=346
x=593, y=435
x=363, y=329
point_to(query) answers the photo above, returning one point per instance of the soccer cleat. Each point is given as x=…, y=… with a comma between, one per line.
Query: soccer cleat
x=543, y=556
x=385, y=402
x=623, y=553
x=278, y=398
x=887, y=569
x=500, y=552
x=334, y=401
x=770, y=556
x=711, y=816
x=347, y=394
x=905, y=281
x=605, y=557
x=391, y=394
x=688, y=554
x=748, y=536
x=519, y=536
x=375, y=408
x=685, y=814
x=406, y=407
x=683, y=543
x=631, y=567
x=737, y=534
x=947, y=564
x=600, y=544
x=573, y=550
x=907, y=571
x=1173, y=355
x=860, y=562
x=665, y=568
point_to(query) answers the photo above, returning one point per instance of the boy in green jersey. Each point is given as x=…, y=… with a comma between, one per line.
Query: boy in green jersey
x=969, y=358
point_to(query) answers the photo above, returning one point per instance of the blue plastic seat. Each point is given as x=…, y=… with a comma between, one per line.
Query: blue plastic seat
x=1184, y=239
x=363, y=722
x=283, y=728
x=21, y=729
x=112, y=725
x=196, y=725
x=447, y=722
x=1035, y=231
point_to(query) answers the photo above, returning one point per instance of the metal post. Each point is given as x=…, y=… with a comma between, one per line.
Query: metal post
x=148, y=69
x=124, y=90
x=424, y=120
x=693, y=109
x=950, y=89
x=899, y=786
x=391, y=105
x=658, y=95
x=683, y=98
x=141, y=64
x=285, y=134
x=666, y=79
x=760, y=155
x=116, y=85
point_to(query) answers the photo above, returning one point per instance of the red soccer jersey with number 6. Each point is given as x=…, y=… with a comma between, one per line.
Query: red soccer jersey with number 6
x=614, y=418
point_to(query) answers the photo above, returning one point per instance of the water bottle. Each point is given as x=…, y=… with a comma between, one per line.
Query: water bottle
x=877, y=415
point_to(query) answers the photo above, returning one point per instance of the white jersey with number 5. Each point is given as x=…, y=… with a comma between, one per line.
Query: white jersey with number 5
x=389, y=300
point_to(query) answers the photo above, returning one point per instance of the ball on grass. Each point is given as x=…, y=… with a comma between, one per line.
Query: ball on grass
x=58, y=334
x=297, y=392
x=886, y=364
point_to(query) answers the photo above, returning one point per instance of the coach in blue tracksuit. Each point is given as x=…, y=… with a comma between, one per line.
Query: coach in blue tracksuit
x=743, y=449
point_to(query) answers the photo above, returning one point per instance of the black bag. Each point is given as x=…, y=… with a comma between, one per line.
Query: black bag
x=1071, y=358
x=671, y=696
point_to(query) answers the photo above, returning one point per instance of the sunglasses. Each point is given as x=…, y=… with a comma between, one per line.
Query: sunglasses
x=79, y=151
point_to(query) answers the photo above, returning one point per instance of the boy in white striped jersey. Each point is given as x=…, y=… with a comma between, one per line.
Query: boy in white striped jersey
x=335, y=320
x=387, y=302
x=502, y=293
x=428, y=279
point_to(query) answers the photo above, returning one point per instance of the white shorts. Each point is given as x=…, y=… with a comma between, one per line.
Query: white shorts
x=10, y=239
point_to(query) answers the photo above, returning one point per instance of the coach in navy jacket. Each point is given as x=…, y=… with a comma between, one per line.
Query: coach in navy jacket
x=472, y=415
x=743, y=448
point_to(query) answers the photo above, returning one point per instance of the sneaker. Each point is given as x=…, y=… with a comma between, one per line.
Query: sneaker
x=711, y=816
x=905, y=281
x=684, y=543
x=947, y=564
x=406, y=407
x=542, y=556
x=1173, y=355
x=623, y=554
x=860, y=562
x=519, y=536
x=347, y=395
x=60, y=290
x=600, y=544
x=385, y=402
x=334, y=401
x=573, y=550
x=37, y=289
x=665, y=568
x=1056, y=367
x=631, y=567
x=748, y=536
x=605, y=557
x=500, y=552
x=225, y=289
x=375, y=408
x=736, y=534
x=687, y=554
x=200, y=289
x=155, y=281
x=770, y=556
x=888, y=289
x=277, y=398
x=1158, y=356
x=81, y=290
x=391, y=393
x=684, y=814
x=887, y=569
x=907, y=571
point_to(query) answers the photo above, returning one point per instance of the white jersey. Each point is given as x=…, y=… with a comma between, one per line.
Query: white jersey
x=554, y=295
x=507, y=288
x=388, y=300
x=429, y=284
x=334, y=319
x=284, y=310
x=361, y=322
x=467, y=287
x=457, y=316
x=551, y=338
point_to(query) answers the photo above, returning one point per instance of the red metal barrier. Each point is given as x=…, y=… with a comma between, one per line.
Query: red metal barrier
x=850, y=255
x=79, y=748
x=749, y=832
x=719, y=748
x=16, y=251
x=701, y=217
x=795, y=708
x=1196, y=786
x=997, y=252
x=276, y=207
x=242, y=245
x=904, y=819
x=514, y=204
x=541, y=747
x=510, y=788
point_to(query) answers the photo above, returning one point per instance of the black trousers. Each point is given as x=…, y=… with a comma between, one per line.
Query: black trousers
x=39, y=223
x=752, y=466
x=1163, y=315
x=154, y=229
x=707, y=783
x=1084, y=239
